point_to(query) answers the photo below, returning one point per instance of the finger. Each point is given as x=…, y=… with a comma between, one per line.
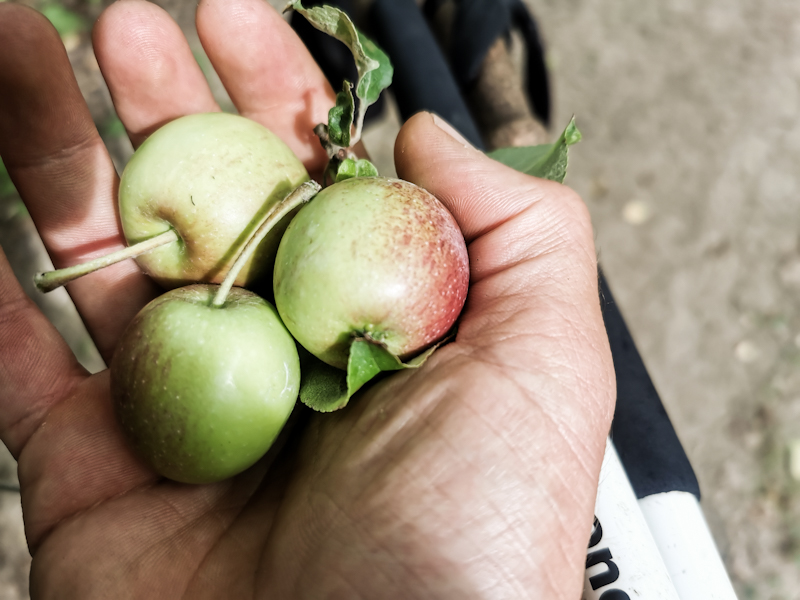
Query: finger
x=484, y=195
x=78, y=459
x=268, y=72
x=37, y=368
x=434, y=155
x=62, y=170
x=150, y=70
x=533, y=271
x=532, y=322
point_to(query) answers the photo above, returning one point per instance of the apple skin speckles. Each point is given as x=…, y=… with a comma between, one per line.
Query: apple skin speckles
x=202, y=392
x=210, y=177
x=371, y=256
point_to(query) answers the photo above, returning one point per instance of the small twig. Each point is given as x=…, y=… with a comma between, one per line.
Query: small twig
x=336, y=154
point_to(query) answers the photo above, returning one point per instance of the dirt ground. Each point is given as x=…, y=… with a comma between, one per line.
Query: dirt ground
x=689, y=111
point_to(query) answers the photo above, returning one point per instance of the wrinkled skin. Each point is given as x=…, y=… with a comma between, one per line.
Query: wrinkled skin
x=472, y=477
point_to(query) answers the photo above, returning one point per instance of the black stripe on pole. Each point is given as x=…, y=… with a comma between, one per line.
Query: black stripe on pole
x=642, y=433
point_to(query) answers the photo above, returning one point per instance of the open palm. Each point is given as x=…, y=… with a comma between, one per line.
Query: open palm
x=472, y=477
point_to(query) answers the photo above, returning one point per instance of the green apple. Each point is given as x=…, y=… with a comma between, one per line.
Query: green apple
x=370, y=257
x=210, y=178
x=201, y=391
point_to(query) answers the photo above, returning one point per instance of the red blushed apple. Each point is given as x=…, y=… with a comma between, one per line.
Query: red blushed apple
x=371, y=257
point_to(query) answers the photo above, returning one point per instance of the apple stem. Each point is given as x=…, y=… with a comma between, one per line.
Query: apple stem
x=298, y=196
x=47, y=282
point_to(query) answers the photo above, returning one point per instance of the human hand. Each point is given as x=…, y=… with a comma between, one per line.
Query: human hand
x=471, y=477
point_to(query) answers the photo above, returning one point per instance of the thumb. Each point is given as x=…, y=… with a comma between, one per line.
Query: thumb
x=533, y=302
x=480, y=192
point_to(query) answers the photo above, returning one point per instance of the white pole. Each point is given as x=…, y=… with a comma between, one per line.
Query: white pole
x=622, y=562
x=685, y=543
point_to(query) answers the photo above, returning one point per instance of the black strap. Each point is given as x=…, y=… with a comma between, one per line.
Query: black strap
x=422, y=77
x=477, y=25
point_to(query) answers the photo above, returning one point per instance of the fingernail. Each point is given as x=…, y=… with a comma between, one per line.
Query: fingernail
x=451, y=131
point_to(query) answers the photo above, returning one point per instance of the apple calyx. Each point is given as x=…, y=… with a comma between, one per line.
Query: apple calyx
x=300, y=195
x=51, y=280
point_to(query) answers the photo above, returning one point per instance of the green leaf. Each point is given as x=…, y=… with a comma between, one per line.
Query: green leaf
x=355, y=168
x=548, y=161
x=346, y=170
x=64, y=20
x=6, y=185
x=374, y=81
x=325, y=388
x=8, y=191
x=373, y=66
x=322, y=387
x=340, y=117
x=112, y=128
x=364, y=168
x=202, y=60
x=366, y=360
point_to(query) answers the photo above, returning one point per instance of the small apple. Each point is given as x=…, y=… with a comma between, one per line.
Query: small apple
x=192, y=195
x=210, y=177
x=370, y=257
x=202, y=391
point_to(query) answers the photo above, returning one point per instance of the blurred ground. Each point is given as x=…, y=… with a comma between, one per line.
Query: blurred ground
x=690, y=118
x=691, y=127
